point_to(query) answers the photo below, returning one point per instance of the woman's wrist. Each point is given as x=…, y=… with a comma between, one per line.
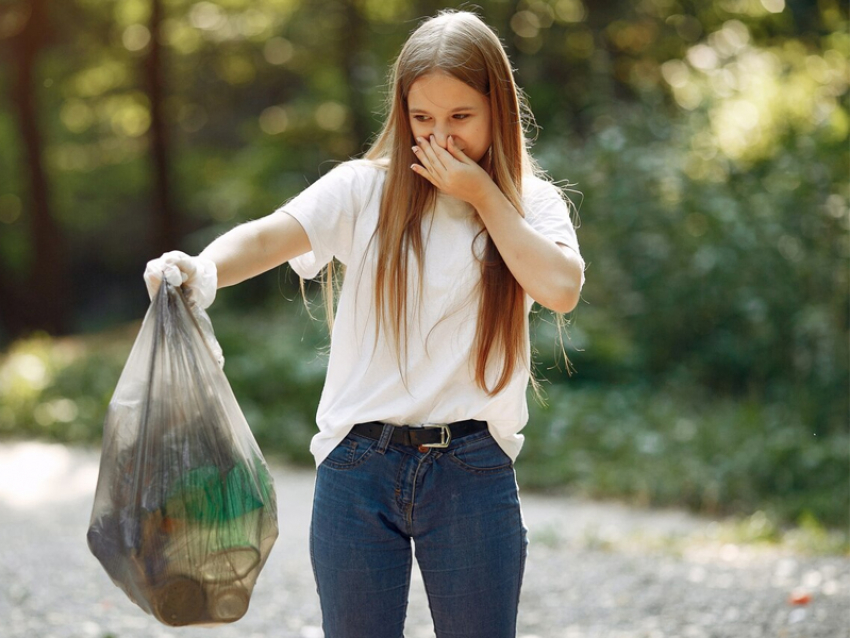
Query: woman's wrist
x=489, y=200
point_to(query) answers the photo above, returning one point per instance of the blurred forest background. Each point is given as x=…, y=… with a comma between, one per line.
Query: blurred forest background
x=708, y=140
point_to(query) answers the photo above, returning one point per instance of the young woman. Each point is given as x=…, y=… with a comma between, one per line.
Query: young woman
x=448, y=235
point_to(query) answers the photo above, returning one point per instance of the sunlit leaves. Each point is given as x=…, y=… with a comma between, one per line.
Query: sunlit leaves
x=569, y=11
x=580, y=43
x=278, y=51
x=754, y=96
x=47, y=387
x=385, y=10
x=128, y=114
x=71, y=157
x=77, y=115
x=219, y=25
x=136, y=37
x=331, y=116
x=688, y=27
x=274, y=120
x=207, y=16
x=101, y=78
x=533, y=18
x=130, y=12
x=632, y=37
x=752, y=8
x=526, y=24
x=236, y=69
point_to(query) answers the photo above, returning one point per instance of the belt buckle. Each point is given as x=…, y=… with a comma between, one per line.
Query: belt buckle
x=445, y=435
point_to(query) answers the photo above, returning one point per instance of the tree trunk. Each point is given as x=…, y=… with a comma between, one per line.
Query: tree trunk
x=40, y=301
x=166, y=226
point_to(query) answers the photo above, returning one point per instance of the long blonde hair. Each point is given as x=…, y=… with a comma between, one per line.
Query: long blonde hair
x=459, y=44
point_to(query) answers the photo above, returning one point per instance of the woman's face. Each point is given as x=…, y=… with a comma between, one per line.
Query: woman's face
x=441, y=105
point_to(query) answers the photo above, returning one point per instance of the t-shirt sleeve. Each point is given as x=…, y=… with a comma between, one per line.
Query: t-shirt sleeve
x=327, y=210
x=547, y=212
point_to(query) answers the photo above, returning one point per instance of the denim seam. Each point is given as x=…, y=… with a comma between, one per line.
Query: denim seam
x=523, y=554
x=333, y=465
x=407, y=580
x=496, y=469
x=313, y=560
x=409, y=517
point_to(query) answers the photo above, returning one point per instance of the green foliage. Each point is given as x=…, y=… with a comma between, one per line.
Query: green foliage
x=664, y=445
x=275, y=365
x=59, y=388
x=670, y=445
x=717, y=238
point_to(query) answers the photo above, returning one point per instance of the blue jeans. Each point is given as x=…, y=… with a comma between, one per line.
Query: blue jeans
x=458, y=505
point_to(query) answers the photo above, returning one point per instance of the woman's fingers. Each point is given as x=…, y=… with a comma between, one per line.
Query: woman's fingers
x=421, y=170
x=430, y=166
x=423, y=167
x=435, y=154
x=445, y=155
x=456, y=152
x=446, y=168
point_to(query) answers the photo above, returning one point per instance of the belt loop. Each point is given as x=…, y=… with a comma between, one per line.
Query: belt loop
x=386, y=435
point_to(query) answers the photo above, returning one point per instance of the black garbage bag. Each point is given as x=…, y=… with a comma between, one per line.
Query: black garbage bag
x=184, y=512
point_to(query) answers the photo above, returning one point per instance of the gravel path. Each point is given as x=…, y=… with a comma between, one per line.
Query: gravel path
x=594, y=570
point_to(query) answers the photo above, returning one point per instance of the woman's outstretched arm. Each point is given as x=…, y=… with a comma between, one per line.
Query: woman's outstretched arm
x=255, y=247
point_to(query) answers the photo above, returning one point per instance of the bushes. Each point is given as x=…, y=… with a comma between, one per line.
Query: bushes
x=652, y=444
x=674, y=446
x=59, y=388
x=276, y=366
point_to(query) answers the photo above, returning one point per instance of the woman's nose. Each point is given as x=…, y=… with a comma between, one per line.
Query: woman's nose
x=441, y=134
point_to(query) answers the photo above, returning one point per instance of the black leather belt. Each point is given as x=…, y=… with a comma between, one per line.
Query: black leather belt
x=430, y=435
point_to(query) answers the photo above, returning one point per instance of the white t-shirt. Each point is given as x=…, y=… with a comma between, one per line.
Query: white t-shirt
x=436, y=382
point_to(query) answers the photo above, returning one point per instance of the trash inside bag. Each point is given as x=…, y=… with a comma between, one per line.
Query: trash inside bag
x=184, y=512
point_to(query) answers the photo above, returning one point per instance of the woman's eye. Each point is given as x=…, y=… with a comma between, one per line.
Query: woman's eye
x=461, y=116
x=420, y=118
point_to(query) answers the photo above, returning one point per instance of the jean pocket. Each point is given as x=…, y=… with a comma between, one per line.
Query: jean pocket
x=482, y=456
x=351, y=452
